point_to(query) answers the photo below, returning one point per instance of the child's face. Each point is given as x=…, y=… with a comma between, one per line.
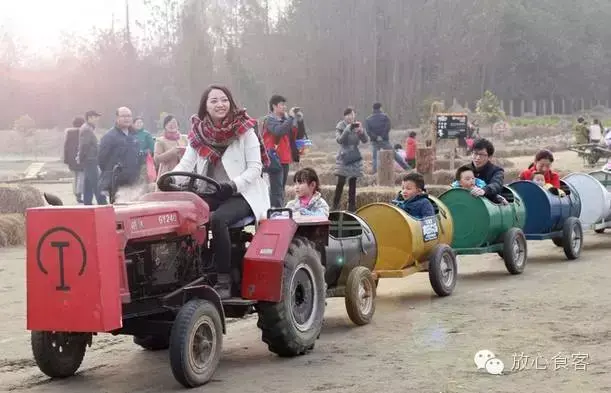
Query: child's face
x=409, y=189
x=467, y=180
x=539, y=179
x=303, y=189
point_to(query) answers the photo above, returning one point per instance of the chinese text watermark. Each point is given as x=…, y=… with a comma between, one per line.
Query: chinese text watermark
x=487, y=360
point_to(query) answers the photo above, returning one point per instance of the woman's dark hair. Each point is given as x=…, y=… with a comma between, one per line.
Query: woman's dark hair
x=78, y=122
x=203, y=112
x=461, y=170
x=412, y=134
x=544, y=154
x=348, y=111
x=168, y=119
x=417, y=178
x=307, y=175
x=275, y=100
x=484, y=144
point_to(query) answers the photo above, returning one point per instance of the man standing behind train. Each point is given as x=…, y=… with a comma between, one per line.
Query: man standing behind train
x=119, y=146
x=88, y=158
x=377, y=126
x=484, y=169
x=279, y=133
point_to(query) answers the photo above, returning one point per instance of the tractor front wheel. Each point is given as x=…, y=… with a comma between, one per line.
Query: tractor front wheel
x=196, y=343
x=291, y=326
x=59, y=354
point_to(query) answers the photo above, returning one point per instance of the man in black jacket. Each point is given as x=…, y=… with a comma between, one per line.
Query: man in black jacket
x=377, y=126
x=88, y=158
x=493, y=175
x=119, y=146
x=71, y=142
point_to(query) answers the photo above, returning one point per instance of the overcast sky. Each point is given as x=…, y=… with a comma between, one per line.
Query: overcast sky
x=38, y=24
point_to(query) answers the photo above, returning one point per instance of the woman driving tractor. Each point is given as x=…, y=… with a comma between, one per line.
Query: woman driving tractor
x=224, y=146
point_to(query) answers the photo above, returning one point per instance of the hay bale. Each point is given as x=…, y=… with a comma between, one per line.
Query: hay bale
x=386, y=161
x=18, y=198
x=12, y=230
x=443, y=177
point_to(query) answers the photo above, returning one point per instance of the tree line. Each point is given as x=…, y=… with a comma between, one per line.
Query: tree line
x=322, y=55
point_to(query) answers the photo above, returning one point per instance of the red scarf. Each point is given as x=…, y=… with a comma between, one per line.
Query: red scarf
x=171, y=135
x=210, y=140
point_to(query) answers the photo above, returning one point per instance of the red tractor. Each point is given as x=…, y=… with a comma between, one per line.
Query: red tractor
x=143, y=268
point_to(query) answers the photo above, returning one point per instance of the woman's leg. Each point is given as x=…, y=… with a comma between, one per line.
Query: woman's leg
x=228, y=213
x=352, y=194
x=339, y=189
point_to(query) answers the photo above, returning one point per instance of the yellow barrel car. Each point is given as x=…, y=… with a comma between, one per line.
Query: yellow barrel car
x=407, y=245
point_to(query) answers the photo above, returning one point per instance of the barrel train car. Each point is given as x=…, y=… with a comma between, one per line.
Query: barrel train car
x=381, y=240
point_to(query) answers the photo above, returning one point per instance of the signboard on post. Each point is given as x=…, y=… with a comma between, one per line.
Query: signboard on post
x=451, y=125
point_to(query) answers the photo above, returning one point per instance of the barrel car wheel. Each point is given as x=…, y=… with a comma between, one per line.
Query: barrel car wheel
x=360, y=295
x=442, y=269
x=515, y=250
x=572, y=238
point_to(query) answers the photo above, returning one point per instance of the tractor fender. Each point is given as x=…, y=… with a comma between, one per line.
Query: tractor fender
x=200, y=291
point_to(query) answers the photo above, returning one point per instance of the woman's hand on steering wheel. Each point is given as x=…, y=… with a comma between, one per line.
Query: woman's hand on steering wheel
x=166, y=183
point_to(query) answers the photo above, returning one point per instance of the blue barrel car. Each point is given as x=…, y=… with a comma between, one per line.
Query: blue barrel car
x=552, y=214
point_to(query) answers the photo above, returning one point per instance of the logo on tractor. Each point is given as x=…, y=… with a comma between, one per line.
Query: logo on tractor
x=62, y=241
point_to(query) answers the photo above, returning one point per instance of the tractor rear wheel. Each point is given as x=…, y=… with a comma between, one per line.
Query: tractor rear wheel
x=59, y=354
x=196, y=343
x=291, y=326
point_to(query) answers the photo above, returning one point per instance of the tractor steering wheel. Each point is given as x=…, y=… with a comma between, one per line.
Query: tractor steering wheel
x=165, y=183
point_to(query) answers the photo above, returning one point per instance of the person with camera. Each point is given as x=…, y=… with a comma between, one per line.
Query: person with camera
x=349, y=162
x=279, y=133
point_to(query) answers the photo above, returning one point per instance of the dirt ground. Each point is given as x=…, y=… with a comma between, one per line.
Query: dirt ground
x=556, y=313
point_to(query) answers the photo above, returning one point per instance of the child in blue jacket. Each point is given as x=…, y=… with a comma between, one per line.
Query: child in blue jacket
x=413, y=198
x=465, y=178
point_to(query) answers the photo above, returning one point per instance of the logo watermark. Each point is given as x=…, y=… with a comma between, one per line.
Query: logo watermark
x=487, y=360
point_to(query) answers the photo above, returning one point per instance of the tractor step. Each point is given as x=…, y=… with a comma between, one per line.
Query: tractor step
x=237, y=301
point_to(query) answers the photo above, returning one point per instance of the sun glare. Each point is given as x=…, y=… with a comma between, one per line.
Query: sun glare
x=37, y=25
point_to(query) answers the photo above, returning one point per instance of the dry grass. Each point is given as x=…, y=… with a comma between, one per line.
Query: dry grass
x=12, y=230
x=18, y=198
x=14, y=200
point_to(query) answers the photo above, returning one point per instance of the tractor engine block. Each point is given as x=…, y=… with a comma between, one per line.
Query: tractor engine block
x=159, y=267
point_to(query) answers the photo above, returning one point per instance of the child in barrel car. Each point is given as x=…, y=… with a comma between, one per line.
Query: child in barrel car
x=539, y=178
x=413, y=198
x=465, y=178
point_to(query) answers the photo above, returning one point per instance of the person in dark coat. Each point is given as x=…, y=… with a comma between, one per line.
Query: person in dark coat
x=349, y=163
x=484, y=169
x=378, y=129
x=88, y=158
x=120, y=146
x=71, y=142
